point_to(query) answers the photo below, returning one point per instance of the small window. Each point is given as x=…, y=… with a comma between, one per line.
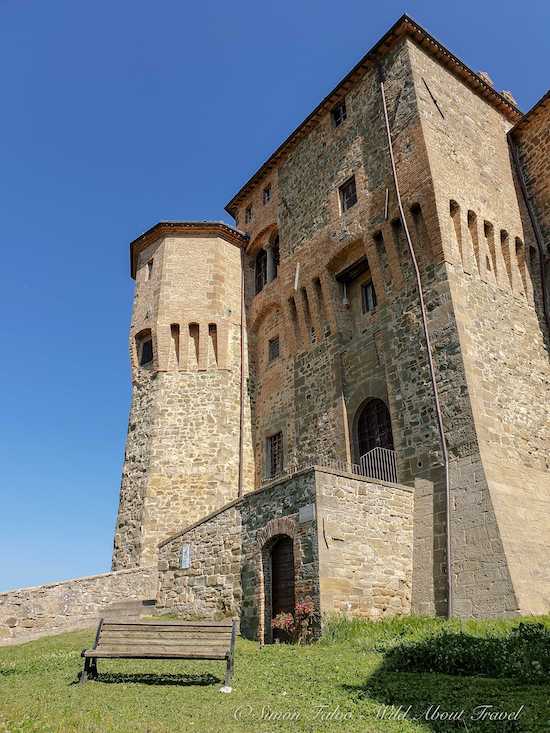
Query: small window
x=368, y=297
x=261, y=270
x=339, y=113
x=266, y=194
x=274, y=445
x=248, y=214
x=276, y=256
x=348, y=194
x=149, y=269
x=273, y=349
x=145, y=349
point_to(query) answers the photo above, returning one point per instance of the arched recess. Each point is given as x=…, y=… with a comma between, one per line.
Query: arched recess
x=261, y=239
x=372, y=427
x=144, y=350
x=283, y=532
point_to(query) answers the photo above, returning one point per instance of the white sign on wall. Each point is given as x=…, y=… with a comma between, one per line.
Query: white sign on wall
x=185, y=558
x=306, y=513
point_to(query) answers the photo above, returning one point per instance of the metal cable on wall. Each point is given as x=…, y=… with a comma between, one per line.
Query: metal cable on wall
x=428, y=347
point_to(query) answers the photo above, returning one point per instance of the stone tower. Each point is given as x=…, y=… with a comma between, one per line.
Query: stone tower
x=183, y=444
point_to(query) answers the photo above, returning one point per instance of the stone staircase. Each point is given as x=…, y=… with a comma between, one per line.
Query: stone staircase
x=129, y=610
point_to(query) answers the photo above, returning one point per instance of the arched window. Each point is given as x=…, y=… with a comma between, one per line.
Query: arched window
x=261, y=270
x=374, y=427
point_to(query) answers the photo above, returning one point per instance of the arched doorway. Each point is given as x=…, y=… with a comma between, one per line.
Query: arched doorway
x=281, y=590
x=374, y=427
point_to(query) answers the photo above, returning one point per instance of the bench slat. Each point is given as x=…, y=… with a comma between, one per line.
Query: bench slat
x=172, y=626
x=146, y=634
x=156, y=643
x=146, y=653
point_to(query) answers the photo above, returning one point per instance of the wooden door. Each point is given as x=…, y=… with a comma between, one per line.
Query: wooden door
x=282, y=579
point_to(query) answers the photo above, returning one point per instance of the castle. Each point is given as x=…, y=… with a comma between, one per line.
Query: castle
x=344, y=396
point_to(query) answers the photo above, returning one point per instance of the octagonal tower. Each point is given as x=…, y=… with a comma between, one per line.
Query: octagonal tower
x=183, y=445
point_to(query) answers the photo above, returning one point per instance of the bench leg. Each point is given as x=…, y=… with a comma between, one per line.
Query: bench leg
x=228, y=675
x=86, y=671
x=93, y=669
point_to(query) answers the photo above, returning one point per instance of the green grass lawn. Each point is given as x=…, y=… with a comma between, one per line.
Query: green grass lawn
x=342, y=683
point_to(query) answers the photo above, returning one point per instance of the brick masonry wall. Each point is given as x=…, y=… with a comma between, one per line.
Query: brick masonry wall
x=533, y=140
x=365, y=541
x=28, y=613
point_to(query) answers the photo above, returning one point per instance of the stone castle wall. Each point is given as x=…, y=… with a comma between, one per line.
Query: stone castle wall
x=352, y=551
x=494, y=279
x=474, y=246
x=228, y=568
x=365, y=538
x=335, y=357
x=27, y=613
x=462, y=209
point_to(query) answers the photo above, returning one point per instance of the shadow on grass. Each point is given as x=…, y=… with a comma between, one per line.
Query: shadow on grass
x=184, y=680
x=456, y=681
x=7, y=672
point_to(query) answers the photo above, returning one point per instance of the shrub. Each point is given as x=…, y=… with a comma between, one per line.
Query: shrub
x=299, y=626
x=524, y=653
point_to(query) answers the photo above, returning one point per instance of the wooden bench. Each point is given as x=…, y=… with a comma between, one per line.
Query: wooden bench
x=162, y=640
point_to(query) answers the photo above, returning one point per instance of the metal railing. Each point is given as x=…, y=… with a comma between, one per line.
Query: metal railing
x=378, y=463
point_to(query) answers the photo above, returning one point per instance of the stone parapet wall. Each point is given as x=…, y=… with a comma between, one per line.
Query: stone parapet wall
x=210, y=587
x=365, y=546
x=28, y=613
x=352, y=548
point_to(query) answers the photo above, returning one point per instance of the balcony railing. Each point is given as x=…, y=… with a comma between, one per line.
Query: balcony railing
x=378, y=463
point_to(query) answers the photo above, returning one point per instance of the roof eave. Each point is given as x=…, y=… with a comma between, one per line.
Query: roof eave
x=404, y=26
x=543, y=102
x=167, y=228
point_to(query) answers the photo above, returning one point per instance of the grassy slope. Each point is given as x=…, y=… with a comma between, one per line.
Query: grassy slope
x=344, y=673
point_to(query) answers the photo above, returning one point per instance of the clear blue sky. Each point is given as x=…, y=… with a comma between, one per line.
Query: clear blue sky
x=116, y=115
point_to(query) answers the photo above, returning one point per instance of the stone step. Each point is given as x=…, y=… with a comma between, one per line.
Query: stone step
x=133, y=604
x=131, y=610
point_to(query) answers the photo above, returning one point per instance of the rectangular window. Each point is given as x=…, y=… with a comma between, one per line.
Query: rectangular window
x=368, y=297
x=348, y=194
x=149, y=269
x=273, y=349
x=274, y=450
x=266, y=194
x=338, y=113
x=248, y=214
x=146, y=352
